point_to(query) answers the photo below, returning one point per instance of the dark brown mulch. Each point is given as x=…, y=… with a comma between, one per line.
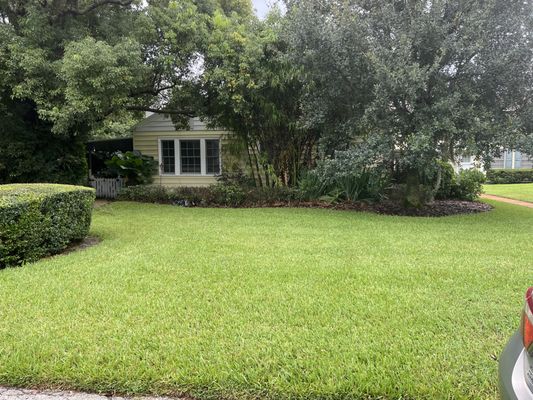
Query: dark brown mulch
x=439, y=208
x=89, y=241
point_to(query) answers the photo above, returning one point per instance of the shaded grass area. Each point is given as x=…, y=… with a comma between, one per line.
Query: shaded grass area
x=271, y=303
x=517, y=191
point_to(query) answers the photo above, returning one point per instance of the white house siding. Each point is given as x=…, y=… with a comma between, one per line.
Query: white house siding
x=508, y=160
x=156, y=127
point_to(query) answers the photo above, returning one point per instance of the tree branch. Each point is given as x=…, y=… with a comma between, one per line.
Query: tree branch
x=98, y=4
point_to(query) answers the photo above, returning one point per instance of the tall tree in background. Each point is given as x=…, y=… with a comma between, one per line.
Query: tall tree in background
x=416, y=81
x=252, y=88
x=94, y=67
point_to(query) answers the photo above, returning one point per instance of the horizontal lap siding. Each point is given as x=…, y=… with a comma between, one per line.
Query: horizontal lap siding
x=173, y=181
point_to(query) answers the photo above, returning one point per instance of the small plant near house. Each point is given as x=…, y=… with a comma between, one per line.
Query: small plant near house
x=134, y=167
x=37, y=220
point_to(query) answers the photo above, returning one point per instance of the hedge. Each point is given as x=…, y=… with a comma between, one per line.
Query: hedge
x=216, y=195
x=510, y=175
x=37, y=220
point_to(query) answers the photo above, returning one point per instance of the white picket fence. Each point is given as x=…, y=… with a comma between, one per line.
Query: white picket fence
x=107, y=188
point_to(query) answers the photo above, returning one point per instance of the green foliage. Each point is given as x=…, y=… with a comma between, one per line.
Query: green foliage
x=134, y=167
x=30, y=152
x=236, y=177
x=418, y=81
x=349, y=177
x=254, y=90
x=469, y=184
x=509, y=175
x=41, y=219
x=218, y=195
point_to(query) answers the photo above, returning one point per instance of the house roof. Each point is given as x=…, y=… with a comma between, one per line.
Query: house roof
x=163, y=123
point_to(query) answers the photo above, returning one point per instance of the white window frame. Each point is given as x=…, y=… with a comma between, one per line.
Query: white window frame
x=177, y=156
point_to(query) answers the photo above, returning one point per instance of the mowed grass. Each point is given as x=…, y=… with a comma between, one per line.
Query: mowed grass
x=272, y=303
x=518, y=191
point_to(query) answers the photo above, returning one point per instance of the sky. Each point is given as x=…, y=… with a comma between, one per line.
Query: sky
x=262, y=6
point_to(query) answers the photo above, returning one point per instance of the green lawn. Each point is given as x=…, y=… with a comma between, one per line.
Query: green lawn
x=518, y=191
x=272, y=303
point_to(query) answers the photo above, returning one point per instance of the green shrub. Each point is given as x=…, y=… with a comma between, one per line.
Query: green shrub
x=510, y=175
x=135, y=168
x=225, y=195
x=272, y=196
x=469, y=185
x=218, y=195
x=336, y=180
x=37, y=220
x=312, y=186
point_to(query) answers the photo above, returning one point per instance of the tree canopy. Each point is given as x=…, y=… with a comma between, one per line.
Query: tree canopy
x=404, y=84
x=98, y=65
x=416, y=81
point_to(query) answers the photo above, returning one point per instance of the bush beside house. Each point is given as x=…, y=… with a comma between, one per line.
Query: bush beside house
x=37, y=220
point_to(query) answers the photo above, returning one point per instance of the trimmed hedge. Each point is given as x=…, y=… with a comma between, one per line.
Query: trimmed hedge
x=217, y=195
x=510, y=175
x=37, y=220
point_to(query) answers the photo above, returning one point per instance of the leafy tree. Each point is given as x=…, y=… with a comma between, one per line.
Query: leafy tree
x=416, y=81
x=29, y=152
x=93, y=67
x=252, y=89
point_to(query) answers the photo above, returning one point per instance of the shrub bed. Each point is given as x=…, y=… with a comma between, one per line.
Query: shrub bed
x=218, y=195
x=510, y=175
x=37, y=220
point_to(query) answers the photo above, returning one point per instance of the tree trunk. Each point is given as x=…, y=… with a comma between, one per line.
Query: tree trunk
x=414, y=192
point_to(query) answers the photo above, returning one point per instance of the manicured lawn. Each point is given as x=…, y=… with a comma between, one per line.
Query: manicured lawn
x=518, y=191
x=272, y=303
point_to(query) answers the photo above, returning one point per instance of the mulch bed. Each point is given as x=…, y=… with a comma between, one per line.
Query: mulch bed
x=439, y=208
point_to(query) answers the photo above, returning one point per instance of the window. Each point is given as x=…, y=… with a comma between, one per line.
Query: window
x=191, y=161
x=168, y=156
x=189, y=156
x=212, y=156
x=466, y=159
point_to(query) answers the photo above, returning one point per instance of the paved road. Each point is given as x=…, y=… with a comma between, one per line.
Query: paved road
x=27, y=394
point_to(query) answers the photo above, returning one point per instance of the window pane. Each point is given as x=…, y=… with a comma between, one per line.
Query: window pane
x=212, y=152
x=190, y=157
x=168, y=156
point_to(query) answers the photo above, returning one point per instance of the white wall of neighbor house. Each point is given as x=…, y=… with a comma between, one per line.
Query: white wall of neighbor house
x=185, y=157
x=510, y=159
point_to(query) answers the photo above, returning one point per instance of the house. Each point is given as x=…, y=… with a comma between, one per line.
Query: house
x=192, y=157
x=510, y=159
